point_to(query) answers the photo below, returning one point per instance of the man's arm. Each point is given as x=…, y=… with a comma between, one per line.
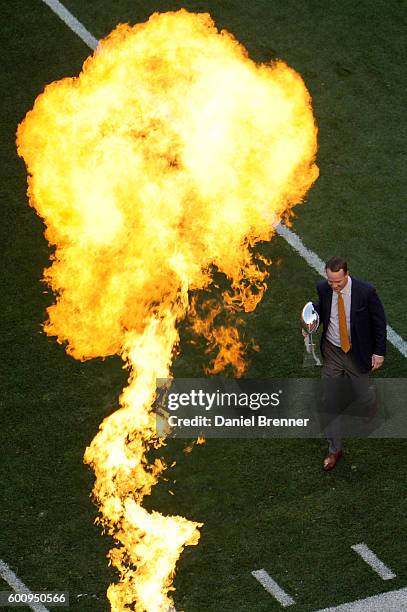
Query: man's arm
x=378, y=320
x=317, y=305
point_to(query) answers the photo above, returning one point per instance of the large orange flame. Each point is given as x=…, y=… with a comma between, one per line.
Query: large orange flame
x=171, y=153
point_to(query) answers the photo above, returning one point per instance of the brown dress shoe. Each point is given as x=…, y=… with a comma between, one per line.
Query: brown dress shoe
x=331, y=459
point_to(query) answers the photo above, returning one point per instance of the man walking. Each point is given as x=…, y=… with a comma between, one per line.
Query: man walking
x=353, y=338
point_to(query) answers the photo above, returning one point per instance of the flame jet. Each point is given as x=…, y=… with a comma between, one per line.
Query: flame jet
x=171, y=154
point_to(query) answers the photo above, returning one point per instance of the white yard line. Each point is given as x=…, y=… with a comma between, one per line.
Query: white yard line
x=371, y=559
x=297, y=244
x=293, y=239
x=273, y=588
x=72, y=23
x=392, y=601
x=19, y=587
x=397, y=341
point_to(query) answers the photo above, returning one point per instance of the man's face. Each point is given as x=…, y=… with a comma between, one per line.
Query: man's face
x=337, y=280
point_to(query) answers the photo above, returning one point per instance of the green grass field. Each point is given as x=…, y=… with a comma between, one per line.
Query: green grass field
x=266, y=503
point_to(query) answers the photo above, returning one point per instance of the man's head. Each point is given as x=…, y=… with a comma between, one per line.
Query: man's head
x=336, y=270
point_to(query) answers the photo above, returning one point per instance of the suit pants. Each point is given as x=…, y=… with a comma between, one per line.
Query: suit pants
x=337, y=369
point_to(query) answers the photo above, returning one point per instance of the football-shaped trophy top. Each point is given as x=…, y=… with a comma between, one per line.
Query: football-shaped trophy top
x=309, y=318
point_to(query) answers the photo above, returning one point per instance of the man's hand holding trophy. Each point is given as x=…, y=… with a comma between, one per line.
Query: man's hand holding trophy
x=310, y=323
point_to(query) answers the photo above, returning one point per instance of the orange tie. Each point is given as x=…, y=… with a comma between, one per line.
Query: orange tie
x=343, y=329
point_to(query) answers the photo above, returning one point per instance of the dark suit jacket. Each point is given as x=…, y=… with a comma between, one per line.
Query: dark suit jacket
x=367, y=320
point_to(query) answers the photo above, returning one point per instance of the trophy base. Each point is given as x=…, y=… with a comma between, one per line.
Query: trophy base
x=312, y=357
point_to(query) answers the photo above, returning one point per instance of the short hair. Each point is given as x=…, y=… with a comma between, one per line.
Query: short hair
x=337, y=263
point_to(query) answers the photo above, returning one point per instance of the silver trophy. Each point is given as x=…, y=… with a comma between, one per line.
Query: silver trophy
x=310, y=323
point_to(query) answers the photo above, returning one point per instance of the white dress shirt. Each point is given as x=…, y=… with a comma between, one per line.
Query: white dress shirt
x=333, y=334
